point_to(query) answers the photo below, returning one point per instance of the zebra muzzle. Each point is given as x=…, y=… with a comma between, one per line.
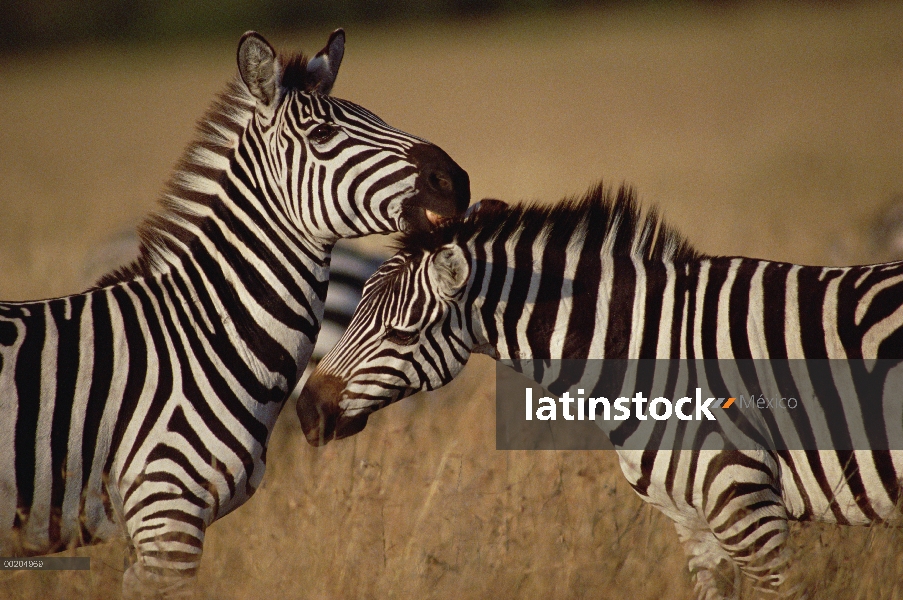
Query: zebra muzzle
x=443, y=189
x=320, y=415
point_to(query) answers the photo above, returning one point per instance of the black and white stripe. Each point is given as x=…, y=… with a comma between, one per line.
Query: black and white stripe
x=594, y=279
x=145, y=404
x=350, y=267
x=348, y=273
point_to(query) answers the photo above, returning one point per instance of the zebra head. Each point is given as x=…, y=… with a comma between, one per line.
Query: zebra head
x=408, y=334
x=336, y=170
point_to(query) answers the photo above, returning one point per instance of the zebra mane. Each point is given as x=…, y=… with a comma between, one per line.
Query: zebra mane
x=608, y=221
x=191, y=189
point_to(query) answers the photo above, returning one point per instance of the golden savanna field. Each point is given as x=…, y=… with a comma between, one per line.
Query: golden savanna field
x=760, y=130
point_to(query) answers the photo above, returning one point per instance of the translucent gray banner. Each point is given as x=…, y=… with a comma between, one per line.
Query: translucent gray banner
x=46, y=563
x=840, y=405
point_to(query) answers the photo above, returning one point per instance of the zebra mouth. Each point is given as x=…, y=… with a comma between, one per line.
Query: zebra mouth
x=435, y=219
x=442, y=188
x=322, y=420
x=417, y=217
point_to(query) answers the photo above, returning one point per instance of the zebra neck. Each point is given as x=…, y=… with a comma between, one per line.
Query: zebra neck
x=216, y=193
x=275, y=298
x=259, y=299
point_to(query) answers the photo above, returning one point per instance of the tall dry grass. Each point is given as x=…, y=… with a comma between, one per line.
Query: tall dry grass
x=759, y=130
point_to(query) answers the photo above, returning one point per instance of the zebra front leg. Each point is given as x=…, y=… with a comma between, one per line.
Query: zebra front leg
x=139, y=583
x=167, y=554
x=748, y=520
x=165, y=523
x=758, y=545
x=714, y=580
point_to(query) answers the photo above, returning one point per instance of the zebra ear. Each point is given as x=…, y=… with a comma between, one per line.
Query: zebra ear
x=259, y=67
x=325, y=65
x=449, y=270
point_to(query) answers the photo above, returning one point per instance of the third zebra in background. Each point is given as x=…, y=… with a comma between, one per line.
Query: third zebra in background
x=592, y=278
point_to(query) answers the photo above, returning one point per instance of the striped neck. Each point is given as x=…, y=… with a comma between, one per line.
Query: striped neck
x=216, y=239
x=213, y=190
x=189, y=197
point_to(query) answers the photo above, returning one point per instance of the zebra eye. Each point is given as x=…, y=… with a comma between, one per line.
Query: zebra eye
x=401, y=337
x=323, y=132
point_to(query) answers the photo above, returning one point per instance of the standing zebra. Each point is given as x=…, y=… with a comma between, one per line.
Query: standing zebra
x=144, y=406
x=593, y=279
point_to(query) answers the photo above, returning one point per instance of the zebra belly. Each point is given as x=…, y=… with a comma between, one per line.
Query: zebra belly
x=651, y=485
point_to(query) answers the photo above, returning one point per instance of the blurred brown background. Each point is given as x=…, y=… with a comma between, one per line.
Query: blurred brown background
x=759, y=129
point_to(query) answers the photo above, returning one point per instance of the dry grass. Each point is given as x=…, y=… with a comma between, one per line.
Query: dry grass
x=766, y=131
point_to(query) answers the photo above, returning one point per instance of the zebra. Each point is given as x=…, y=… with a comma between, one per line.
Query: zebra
x=143, y=407
x=348, y=273
x=349, y=268
x=593, y=278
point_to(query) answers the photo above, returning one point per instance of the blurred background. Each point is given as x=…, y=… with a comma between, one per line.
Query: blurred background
x=59, y=23
x=763, y=129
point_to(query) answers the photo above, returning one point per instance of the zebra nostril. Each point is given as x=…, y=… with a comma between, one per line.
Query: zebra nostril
x=440, y=182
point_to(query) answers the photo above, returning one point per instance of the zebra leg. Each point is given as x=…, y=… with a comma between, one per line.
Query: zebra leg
x=761, y=551
x=746, y=515
x=141, y=582
x=166, y=533
x=706, y=555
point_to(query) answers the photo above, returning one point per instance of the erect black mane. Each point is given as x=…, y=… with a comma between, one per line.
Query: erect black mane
x=604, y=218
